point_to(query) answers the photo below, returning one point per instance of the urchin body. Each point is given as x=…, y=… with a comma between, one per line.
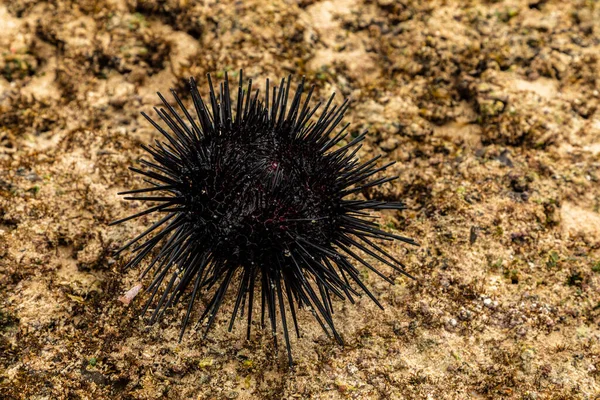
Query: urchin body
x=259, y=196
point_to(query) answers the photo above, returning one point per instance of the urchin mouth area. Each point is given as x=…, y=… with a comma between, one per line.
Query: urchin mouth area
x=259, y=195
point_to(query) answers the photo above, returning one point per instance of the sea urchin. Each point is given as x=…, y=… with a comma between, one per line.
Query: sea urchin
x=256, y=194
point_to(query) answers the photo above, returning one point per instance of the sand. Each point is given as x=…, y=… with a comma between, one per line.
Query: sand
x=490, y=108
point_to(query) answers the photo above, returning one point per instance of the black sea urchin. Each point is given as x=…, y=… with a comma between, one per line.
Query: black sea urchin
x=262, y=197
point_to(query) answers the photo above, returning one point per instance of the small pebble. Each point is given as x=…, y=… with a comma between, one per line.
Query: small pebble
x=352, y=369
